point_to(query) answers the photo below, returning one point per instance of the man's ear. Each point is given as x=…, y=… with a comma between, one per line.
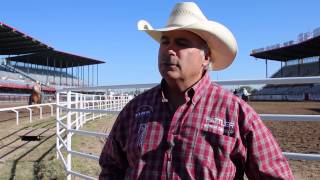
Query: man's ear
x=207, y=58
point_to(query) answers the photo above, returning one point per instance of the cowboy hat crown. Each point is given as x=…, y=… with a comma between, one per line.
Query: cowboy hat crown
x=188, y=16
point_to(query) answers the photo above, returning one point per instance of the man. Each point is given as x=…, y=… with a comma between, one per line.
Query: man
x=188, y=127
x=37, y=87
x=36, y=95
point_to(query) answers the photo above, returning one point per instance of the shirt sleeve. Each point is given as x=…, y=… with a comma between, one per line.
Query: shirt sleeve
x=264, y=156
x=113, y=161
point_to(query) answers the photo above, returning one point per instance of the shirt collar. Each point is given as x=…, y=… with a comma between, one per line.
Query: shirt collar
x=194, y=93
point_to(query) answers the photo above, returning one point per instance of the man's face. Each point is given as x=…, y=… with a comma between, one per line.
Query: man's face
x=181, y=57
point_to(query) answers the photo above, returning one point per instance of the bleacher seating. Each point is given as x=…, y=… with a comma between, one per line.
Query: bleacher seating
x=306, y=69
x=49, y=77
x=292, y=92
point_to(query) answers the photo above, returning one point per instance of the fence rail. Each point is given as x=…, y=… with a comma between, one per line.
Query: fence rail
x=17, y=108
x=80, y=108
x=73, y=111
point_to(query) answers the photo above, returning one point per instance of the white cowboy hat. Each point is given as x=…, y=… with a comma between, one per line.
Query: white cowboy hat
x=188, y=16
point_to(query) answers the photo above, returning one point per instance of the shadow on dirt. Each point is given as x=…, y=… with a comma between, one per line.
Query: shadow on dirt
x=38, y=153
x=317, y=110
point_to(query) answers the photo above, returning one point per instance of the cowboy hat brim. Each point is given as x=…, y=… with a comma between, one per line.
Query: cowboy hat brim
x=221, y=42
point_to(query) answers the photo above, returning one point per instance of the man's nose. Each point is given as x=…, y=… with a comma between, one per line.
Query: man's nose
x=171, y=49
x=171, y=52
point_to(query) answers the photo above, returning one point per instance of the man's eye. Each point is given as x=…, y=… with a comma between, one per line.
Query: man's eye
x=182, y=43
x=164, y=42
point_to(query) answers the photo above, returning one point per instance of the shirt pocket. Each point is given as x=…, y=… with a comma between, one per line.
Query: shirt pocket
x=213, y=149
x=223, y=142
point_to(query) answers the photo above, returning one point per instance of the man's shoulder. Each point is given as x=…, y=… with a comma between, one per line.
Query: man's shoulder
x=146, y=96
x=222, y=92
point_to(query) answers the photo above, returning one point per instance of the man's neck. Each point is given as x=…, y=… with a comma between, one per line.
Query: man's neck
x=175, y=91
x=175, y=96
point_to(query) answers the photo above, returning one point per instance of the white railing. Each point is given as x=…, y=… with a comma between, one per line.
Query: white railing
x=29, y=108
x=78, y=105
x=72, y=113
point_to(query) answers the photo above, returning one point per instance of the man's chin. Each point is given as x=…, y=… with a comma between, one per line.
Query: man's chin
x=171, y=76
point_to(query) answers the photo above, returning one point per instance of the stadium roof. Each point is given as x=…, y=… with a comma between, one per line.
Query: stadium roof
x=14, y=42
x=304, y=49
x=30, y=50
x=55, y=58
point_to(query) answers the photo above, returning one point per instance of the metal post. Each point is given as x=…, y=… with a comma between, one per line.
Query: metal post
x=67, y=73
x=69, y=135
x=72, y=74
x=17, y=116
x=30, y=114
x=81, y=107
x=97, y=75
x=77, y=113
x=78, y=75
x=92, y=75
x=47, y=70
x=42, y=70
x=281, y=70
x=88, y=75
x=93, y=101
x=82, y=67
x=100, y=108
x=51, y=107
x=299, y=68
x=54, y=71
x=40, y=108
x=266, y=68
x=57, y=124
x=319, y=63
x=60, y=71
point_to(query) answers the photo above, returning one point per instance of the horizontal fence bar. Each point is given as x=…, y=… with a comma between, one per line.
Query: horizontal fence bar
x=289, y=80
x=24, y=107
x=91, y=110
x=302, y=156
x=129, y=86
x=89, y=133
x=77, y=153
x=81, y=175
x=289, y=117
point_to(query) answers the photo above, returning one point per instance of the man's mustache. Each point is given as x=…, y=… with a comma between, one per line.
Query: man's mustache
x=169, y=61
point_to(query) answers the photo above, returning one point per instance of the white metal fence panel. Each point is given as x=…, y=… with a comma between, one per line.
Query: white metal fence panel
x=74, y=109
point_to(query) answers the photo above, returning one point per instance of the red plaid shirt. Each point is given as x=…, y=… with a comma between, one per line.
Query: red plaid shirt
x=214, y=135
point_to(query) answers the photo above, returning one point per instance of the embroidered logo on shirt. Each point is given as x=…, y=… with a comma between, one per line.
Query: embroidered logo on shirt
x=214, y=124
x=219, y=126
x=143, y=112
x=141, y=134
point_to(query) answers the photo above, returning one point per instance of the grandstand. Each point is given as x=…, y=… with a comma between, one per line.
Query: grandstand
x=301, y=58
x=25, y=60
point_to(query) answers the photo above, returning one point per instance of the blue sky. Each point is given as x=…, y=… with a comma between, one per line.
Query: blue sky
x=106, y=30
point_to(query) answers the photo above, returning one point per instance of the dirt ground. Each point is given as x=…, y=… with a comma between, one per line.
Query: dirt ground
x=300, y=137
x=293, y=136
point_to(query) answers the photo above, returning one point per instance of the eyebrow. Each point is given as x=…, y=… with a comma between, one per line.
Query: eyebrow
x=181, y=39
x=164, y=37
